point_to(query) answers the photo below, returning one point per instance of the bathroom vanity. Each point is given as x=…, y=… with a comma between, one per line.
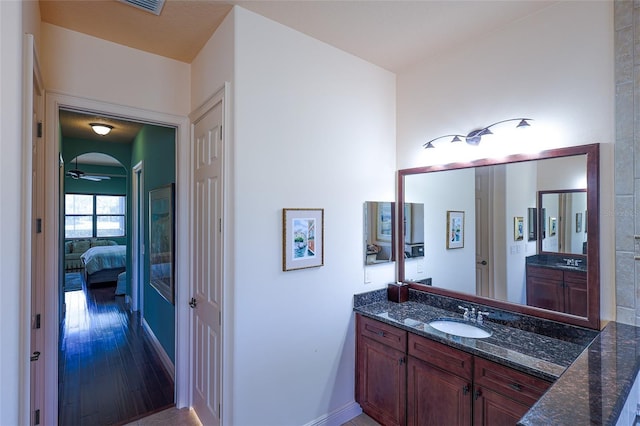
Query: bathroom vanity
x=557, y=283
x=530, y=371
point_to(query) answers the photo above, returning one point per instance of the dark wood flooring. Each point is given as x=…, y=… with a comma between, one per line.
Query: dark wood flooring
x=109, y=371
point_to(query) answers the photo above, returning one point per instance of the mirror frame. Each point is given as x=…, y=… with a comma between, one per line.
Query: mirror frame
x=592, y=151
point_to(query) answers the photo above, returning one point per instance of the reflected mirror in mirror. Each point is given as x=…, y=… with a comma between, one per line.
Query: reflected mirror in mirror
x=564, y=210
x=493, y=197
x=379, y=224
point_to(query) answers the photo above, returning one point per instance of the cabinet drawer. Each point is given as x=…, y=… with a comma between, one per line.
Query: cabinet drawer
x=509, y=382
x=547, y=273
x=449, y=359
x=383, y=333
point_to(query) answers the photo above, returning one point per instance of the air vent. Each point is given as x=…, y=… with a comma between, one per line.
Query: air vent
x=153, y=6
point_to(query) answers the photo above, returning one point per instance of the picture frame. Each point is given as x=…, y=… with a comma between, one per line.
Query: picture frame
x=578, y=222
x=162, y=240
x=455, y=229
x=518, y=228
x=302, y=238
x=384, y=224
x=552, y=226
x=532, y=223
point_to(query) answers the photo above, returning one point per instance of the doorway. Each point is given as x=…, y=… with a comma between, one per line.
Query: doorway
x=106, y=348
x=55, y=103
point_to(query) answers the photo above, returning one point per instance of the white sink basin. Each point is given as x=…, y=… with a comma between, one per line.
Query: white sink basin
x=460, y=328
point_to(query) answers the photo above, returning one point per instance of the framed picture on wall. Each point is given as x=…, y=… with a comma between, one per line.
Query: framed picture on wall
x=518, y=228
x=302, y=238
x=455, y=229
x=552, y=226
x=161, y=240
x=383, y=224
x=578, y=222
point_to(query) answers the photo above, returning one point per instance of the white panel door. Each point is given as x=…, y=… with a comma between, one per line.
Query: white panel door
x=207, y=265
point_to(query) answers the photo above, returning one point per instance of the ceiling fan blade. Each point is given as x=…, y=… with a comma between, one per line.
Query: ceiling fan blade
x=95, y=178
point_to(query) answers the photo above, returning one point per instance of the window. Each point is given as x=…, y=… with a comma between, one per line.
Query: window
x=88, y=216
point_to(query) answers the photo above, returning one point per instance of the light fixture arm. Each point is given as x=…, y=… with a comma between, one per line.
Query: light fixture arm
x=474, y=137
x=456, y=138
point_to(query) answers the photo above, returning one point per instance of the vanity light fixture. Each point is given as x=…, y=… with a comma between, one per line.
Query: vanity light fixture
x=101, y=129
x=475, y=136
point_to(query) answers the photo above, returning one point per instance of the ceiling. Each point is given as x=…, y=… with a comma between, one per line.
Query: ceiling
x=393, y=34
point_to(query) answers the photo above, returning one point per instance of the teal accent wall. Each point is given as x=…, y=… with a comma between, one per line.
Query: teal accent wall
x=155, y=147
x=71, y=148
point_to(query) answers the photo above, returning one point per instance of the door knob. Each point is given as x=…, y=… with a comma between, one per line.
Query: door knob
x=484, y=262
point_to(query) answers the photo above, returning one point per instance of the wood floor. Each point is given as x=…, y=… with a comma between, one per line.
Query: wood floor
x=109, y=372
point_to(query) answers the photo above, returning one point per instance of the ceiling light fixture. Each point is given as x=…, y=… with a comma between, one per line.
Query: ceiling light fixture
x=101, y=129
x=475, y=136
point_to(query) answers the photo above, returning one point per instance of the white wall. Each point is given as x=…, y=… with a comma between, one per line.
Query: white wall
x=16, y=19
x=80, y=65
x=454, y=269
x=520, y=184
x=314, y=127
x=10, y=160
x=535, y=67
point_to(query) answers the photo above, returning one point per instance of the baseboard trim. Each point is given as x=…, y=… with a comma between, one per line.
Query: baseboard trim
x=166, y=361
x=339, y=416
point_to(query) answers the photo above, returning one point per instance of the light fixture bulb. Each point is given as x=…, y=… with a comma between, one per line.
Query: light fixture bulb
x=101, y=129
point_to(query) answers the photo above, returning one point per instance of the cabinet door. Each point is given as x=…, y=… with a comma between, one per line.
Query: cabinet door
x=436, y=397
x=503, y=395
x=544, y=288
x=382, y=373
x=575, y=293
x=493, y=409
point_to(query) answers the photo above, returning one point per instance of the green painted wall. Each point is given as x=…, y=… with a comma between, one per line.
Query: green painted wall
x=155, y=147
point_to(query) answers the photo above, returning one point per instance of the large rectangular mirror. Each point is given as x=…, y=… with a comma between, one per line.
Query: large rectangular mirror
x=493, y=203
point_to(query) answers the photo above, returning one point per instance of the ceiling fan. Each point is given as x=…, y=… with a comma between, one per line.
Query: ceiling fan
x=79, y=174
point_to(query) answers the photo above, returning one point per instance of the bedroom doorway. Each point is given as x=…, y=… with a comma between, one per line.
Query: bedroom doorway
x=108, y=349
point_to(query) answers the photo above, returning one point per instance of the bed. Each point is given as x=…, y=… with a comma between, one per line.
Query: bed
x=104, y=263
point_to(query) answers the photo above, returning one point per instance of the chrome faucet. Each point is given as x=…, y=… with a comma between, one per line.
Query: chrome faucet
x=465, y=316
x=480, y=319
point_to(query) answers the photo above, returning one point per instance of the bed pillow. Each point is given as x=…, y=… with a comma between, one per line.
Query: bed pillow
x=81, y=246
x=100, y=243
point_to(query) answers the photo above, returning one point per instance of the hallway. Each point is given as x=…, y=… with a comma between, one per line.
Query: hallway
x=109, y=372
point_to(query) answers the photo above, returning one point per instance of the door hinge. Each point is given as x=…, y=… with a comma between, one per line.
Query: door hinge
x=220, y=318
x=36, y=324
x=36, y=417
x=220, y=224
x=221, y=132
x=38, y=225
x=35, y=356
x=39, y=129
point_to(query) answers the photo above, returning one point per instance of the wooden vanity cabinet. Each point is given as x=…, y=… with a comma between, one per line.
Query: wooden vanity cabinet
x=438, y=384
x=503, y=395
x=403, y=378
x=381, y=371
x=557, y=290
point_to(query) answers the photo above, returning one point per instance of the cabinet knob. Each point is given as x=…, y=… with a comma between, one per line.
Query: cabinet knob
x=465, y=389
x=477, y=394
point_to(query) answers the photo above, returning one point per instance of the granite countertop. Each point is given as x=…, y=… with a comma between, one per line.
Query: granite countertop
x=594, y=389
x=556, y=262
x=540, y=355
